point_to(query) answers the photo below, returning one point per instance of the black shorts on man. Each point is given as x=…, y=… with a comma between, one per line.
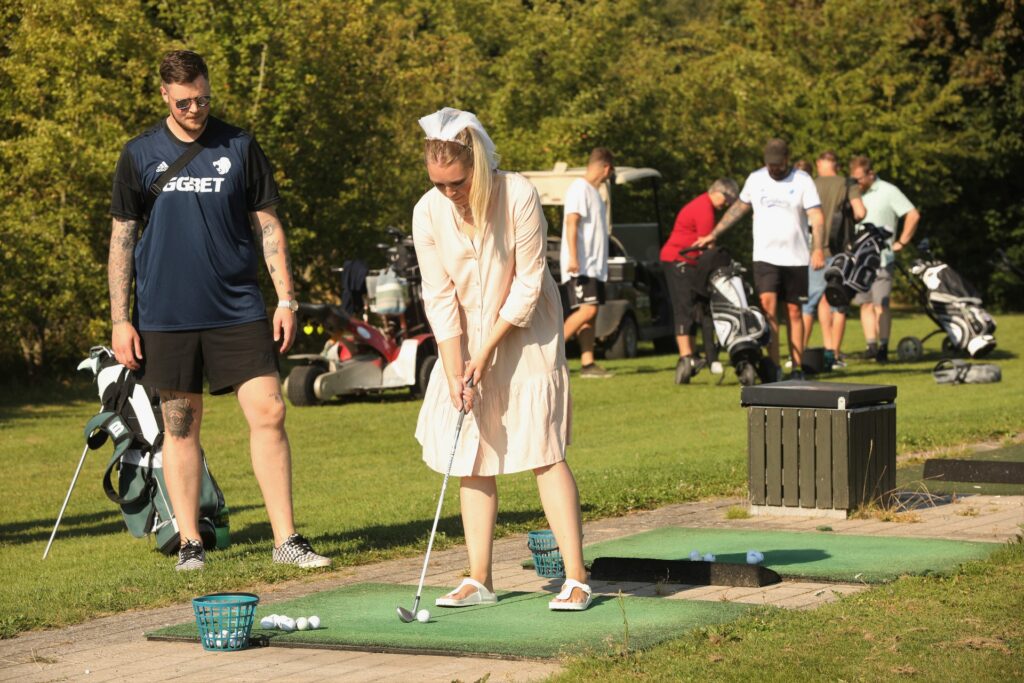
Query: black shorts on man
x=585, y=290
x=682, y=291
x=228, y=356
x=789, y=282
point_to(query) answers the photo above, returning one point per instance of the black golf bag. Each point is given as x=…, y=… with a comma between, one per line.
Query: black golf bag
x=140, y=490
x=853, y=271
x=955, y=306
x=741, y=329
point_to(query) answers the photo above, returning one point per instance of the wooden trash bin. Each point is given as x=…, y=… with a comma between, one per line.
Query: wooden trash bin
x=820, y=446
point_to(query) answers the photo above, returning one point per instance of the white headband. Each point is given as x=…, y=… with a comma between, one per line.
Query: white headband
x=445, y=124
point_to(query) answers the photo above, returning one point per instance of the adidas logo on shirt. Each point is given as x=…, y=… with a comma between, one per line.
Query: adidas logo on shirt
x=162, y=167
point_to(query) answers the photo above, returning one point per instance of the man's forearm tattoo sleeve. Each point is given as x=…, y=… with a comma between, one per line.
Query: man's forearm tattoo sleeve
x=121, y=268
x=732, y=214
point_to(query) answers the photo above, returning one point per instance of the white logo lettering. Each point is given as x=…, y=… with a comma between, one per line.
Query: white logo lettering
x=162, y=167
x=198, y=185
x=116, y=428
x=223, y=165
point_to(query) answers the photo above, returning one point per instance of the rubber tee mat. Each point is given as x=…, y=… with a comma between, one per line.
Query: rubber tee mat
x=818, y=555
x=520, y=625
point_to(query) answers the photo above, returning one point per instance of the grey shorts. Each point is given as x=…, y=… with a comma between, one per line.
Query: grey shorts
x=880, y=291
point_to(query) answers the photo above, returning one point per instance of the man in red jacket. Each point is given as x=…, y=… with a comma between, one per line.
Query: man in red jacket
x=694, y=220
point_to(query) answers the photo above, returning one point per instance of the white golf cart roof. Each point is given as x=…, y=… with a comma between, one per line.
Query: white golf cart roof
x=553, y=184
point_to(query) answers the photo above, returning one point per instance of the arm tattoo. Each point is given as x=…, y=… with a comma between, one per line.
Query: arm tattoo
x=733, y=214
x=178, y=415
x=271, y=246
x=121, y=267
x=275, y=246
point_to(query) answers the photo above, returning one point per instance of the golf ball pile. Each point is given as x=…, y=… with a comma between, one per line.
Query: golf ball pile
x=695, y=556
x=755, y=557
x=285, y=623
x=225, y=639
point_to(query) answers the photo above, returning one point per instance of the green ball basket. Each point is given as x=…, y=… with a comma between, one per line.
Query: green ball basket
x=225, y=620
x=546, y=558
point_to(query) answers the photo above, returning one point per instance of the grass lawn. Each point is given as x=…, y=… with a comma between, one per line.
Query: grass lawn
x=362, y=493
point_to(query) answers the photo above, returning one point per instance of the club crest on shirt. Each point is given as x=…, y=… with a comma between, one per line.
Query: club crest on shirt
x=223, y=165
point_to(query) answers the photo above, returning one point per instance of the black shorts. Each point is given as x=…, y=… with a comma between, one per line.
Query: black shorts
x=176, y=361
x=683, y=294
x=789, y=282
x=583, y=289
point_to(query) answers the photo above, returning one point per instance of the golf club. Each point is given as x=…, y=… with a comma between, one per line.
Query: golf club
x=64, y=507
x=404, y=614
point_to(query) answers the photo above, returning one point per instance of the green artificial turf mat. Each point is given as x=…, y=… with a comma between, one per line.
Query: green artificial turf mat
x=520, y=625
x=812, y=555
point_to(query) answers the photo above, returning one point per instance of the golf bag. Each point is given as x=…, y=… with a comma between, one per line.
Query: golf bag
x=853, y=271
x=741, y=329
x=131, y=418
x=955, y=306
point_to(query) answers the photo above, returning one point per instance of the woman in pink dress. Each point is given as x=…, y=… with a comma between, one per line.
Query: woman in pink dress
x=496, y=315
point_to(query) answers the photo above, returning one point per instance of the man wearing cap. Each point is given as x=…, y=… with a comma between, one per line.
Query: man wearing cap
x=784, y=201
x=694, y=220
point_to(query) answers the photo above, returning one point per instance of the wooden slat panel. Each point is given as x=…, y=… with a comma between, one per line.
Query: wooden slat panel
x=858, y=440
x=890, y=482
x=840, y=460
x=823, y=458
x=773, y=456
x=790, y=457
x=755, y=453
x=806, y=439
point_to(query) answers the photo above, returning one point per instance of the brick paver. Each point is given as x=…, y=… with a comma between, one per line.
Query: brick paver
x=114, y=648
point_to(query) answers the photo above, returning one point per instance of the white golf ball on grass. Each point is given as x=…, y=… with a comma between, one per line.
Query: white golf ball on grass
x=423, y=616
x=695, y=556
x=269, y=622
x=314, y=622
x=302, y=623
x=286, y=624
x=708, y=557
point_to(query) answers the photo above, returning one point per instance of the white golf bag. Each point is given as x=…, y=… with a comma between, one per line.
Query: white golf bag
x=956, y=307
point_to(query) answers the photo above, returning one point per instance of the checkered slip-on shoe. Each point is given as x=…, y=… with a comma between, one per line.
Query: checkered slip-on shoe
x=297, y=551
x=191, y=557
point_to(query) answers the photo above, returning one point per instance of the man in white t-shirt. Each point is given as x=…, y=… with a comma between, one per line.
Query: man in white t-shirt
x=784, y=200
x=584, y=255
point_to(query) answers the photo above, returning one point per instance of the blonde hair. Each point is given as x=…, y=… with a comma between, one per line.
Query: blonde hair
x=469, y=149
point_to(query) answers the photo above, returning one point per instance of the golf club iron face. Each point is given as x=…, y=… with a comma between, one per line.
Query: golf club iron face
x=404, y=614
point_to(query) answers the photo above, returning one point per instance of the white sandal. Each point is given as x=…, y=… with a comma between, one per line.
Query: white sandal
x=559, y=603
x=481, y=596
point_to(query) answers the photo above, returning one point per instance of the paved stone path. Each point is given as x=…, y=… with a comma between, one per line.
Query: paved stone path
x=115, y=649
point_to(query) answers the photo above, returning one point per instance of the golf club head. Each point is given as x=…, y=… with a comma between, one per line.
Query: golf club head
x=405, y=615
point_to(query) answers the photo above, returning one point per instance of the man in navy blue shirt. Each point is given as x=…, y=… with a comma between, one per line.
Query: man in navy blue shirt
x=197, y=307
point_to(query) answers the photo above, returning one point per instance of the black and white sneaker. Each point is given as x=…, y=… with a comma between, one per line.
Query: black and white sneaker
x=297, y=551
x=191, y=557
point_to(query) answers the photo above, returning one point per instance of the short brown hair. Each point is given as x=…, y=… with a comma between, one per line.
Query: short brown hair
x=182, y=66
x=601, y=155
x=828, y=155
x=861, y=161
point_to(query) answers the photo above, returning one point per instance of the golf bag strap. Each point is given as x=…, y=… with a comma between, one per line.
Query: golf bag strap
x=951, y=371
x=111, y=425
x=158, y=185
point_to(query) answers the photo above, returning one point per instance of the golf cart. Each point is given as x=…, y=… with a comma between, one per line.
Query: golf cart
x=637, y=306
x=360, y=357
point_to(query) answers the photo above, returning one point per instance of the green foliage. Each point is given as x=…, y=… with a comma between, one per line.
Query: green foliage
x=932, y=90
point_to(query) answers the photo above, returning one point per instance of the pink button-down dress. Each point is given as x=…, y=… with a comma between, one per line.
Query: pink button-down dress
x=522, y=412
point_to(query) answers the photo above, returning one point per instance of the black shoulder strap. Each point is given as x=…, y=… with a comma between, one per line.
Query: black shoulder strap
x=158, y=185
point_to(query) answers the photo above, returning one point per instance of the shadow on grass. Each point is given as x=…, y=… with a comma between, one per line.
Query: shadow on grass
x=22, y=400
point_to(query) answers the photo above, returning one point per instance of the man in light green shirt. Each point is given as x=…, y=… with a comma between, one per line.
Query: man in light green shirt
x=885, y=205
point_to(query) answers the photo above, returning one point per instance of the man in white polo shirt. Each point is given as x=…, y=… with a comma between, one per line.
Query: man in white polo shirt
x=784, y=200
x=584, y=255
x=885, y=205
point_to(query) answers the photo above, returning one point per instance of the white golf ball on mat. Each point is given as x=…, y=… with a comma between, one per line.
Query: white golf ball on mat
x=269, y=622
x=314, y=622
x=754, y=557
x=423, y=616
x=302, y=623
x=708, y=557
x=695, y=555
x=286, y=624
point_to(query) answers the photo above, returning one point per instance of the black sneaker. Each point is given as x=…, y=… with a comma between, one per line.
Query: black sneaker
x=797, y=374
x=297, y=551
x=191, y=557
x=883, y=354
x=870, y=353
x=595, y=370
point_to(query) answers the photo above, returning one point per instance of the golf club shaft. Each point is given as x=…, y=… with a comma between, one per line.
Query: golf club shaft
x=74, y=480
x=437, y=515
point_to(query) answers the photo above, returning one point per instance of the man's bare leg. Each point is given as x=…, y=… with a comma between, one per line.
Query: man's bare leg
x=769, y=301
x=182, y=458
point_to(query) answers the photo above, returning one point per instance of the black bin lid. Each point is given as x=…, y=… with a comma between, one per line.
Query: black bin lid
x=806, y=394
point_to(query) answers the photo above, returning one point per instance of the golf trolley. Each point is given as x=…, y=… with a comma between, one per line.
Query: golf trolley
x=359, y=357
x=953, y=304
x=740, y=328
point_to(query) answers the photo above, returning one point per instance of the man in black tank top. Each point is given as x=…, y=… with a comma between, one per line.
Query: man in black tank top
x=197, y=308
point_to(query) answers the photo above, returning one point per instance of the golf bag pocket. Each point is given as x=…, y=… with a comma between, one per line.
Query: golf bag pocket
x=854, y=271
x=141, y=492
x=388, y=294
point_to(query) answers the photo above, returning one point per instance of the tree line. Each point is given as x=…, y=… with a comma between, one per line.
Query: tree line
x=932, y=90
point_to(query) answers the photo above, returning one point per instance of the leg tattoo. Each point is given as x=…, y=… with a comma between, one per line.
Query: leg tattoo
x=178, y=417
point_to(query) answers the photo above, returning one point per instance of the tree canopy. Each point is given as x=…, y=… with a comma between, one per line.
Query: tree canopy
x=932, y=90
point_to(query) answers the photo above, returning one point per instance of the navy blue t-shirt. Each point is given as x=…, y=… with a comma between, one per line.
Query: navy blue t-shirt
x=197, y=262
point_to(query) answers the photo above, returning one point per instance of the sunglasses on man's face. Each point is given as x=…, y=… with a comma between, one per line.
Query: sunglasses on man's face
x=202, y=102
